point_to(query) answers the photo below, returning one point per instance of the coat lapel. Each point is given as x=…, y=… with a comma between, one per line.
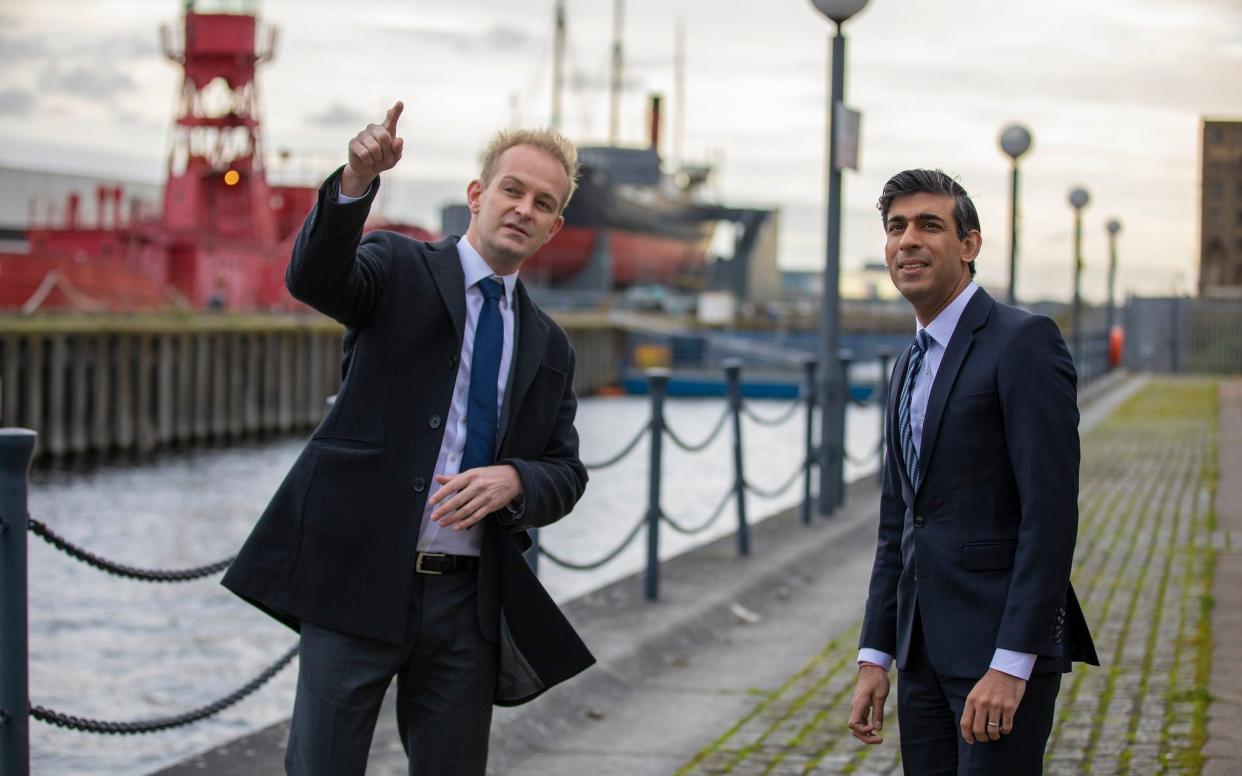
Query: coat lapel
x=532, y=339
x=445, y=265
x=974, y=316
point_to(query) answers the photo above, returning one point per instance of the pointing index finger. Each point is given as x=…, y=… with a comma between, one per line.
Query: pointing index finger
x=390, y=120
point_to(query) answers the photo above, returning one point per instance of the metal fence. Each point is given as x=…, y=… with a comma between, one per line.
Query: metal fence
x=1184, y=334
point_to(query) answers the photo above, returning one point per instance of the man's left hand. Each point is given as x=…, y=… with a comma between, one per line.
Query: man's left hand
x=465, y=499
x=995, y=699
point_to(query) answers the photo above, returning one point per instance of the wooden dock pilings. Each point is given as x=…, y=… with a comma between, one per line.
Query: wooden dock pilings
x=104, y=385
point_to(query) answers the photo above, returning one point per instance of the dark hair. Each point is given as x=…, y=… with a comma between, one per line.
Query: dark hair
x=907, y=182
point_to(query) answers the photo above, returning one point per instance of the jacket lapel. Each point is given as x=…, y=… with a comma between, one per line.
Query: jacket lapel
x=445, y=265
x=974, y=316
x=532, y=338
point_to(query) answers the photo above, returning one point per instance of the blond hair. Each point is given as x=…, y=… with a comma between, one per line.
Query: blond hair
x=551, y=142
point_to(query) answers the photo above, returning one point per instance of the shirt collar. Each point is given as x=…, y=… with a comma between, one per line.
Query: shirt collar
x=941, y=329
x=475, y=268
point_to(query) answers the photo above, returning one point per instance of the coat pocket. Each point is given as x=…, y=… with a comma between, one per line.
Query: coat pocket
x=989, y=555
x=973, y=402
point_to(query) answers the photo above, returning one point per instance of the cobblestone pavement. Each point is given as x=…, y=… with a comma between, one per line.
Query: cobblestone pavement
x=1143, y=572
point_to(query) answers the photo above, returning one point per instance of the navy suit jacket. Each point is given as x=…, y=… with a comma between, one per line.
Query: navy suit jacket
x=336, y=544
x=982, y=549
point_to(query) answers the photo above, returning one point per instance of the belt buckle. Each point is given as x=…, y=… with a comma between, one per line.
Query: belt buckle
x=418, y=563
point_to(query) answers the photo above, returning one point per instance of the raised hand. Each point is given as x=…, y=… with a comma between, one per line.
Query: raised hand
x=372, y=151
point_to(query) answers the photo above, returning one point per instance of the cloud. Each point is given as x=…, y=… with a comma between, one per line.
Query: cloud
x=96, y=83
x=338, y=115
x=16, y=102
x=496, y=38
x=13, y=49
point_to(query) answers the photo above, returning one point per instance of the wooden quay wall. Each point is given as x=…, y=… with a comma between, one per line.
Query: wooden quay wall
x=124, y=385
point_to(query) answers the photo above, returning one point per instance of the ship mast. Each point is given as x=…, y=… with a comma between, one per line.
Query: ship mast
x=558, y=65
x=618, y=12
x=679, y=87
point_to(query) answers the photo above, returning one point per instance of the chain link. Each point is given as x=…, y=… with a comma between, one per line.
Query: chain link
x=596, y=564
x=119, y=569
x=682, y=529
x=104, y=727
x=711, y=437
x=778, y=420
x=629, y=448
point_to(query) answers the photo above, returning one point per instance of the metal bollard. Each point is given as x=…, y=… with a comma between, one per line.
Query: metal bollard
x=844, y=357
x=881, y=395
x=810, y=365
x=532, y=552
x=16, y=450
x=733, y=382
x=657, y=381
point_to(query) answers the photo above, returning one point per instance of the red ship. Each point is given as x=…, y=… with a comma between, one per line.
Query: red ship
x=223, y=235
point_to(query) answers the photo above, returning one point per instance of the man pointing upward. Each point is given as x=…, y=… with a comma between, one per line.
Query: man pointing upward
x=394, y=543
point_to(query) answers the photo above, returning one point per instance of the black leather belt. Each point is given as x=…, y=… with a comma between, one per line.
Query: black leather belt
x=437, y=563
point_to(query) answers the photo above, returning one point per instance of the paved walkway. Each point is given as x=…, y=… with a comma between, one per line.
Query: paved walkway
x=1144, y=569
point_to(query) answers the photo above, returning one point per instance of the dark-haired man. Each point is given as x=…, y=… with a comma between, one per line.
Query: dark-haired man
x=970, y=593
x=394, y=543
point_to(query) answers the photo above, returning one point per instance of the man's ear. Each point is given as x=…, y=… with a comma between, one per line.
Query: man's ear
x=556, y=227
x=972, y=243
x=474, y=191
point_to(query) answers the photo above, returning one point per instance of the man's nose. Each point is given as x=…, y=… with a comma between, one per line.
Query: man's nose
x=909, y=238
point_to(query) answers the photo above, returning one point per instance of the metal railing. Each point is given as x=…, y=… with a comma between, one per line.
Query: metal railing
x=658, y=429
x=17, y=449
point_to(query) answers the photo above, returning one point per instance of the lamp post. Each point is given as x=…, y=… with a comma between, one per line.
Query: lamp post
x=1015, y=140
x=1078, y=199
x=833, y=392
x=1114, y=228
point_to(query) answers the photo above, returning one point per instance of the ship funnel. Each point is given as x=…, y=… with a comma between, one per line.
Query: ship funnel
x=655, y=100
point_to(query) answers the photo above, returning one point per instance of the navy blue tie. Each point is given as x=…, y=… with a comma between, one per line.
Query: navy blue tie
x=910, y=454
x=481, y=408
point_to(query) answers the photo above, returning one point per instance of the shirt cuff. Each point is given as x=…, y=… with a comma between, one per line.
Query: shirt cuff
x=875, y=657
x=1019, y=664
x=512, y=513
x=344, y=199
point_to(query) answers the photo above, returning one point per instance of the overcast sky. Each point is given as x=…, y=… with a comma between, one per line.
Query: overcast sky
x=1113, y=90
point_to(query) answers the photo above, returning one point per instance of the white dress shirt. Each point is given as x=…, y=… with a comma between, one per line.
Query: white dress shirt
x=432, y=537
x=940, y=331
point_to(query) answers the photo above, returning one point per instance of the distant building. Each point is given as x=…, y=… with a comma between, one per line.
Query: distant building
x=1220, y=251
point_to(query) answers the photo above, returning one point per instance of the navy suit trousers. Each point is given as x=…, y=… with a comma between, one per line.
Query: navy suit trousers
x=446, y=680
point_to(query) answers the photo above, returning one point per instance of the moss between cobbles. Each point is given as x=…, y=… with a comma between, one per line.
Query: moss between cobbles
x=1145, y=533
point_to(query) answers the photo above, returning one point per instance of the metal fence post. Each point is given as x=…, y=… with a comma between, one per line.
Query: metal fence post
x=16, y=449
x=657, y=381
x=844, y=356
x=809, y=365
x=881, y=399
x=733, y=382
x=532, y=552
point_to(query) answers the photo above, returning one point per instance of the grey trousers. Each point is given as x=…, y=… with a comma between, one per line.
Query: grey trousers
x=446, y=678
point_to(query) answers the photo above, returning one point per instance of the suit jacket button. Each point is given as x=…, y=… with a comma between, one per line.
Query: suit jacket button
x=918, y=521
x=435, y=421
x=453, y=363
x=419, y=485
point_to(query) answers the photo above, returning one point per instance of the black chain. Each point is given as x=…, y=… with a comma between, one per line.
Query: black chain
x=120, y=569
x=761, y=493
x=624, y=451
x=864, y=459
x=689, y=448
x=682, y=529
x=774, y=421
x=596, y=564
x=104, y=727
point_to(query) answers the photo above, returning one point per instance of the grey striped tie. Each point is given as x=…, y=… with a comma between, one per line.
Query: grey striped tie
x=909, y=453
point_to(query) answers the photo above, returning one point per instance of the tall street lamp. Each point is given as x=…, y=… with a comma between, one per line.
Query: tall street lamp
x=1114, y=228
x=1078, y=199
x=1015, y=140
x=833, y=390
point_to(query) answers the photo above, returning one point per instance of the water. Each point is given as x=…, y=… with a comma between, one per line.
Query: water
x=115, y=649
